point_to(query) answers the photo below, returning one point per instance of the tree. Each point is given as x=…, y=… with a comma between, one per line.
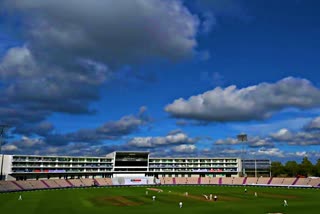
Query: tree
x=277, y=169
x=316, y=168
x=306, y=167
x=291, y=168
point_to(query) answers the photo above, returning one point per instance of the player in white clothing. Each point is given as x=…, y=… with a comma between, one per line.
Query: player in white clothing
x=20, y=198
x=285, y=203
x=180, y=204
x=154, y=198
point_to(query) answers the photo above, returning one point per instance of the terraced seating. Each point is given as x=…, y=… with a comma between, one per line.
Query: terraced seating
x=252, y=180
x=62, y=183
x=181, y=180
x=263, y=180
x=76, y=182
x=87, y=181
x=288, y=181
x=228, y=181
x=166, y=180
x=25, y=184
x=192, y=180
x=104, y=181
x=214, y=180
x=205, y=180
x=238, y=181
x=37, y=184
x=8, y=186
x=303, y=181
x=314, y=182
x=52, y=183
x=277, y=181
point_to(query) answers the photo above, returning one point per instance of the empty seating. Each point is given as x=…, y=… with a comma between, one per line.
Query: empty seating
x=205, y=180
x=314, y=182
x=52, y=183
x=214, y=180
x=192, y=180
x=166, y=180
x=238, y=181
x=263, y=180
x=76, y=182
x=87, y=181
x=103, y=181
x=63, y=183
x=277, y=181
x=251, y=180
x=181, y=180
x=303, y=181
x=228, y=181
x=288, y=181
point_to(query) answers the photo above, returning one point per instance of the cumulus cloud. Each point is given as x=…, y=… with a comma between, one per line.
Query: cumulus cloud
x=253, y=142
x=256, y=102
x=114, y=32
x=172, y=138
x=184, y=149
x=72, y=48
x=110, y=130
x=313, y=125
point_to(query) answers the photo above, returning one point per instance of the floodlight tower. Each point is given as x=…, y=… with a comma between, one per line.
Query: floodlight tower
x=3, y=128
x=242, y=138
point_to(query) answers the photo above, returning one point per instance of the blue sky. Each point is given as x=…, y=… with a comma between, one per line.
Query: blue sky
x=176, y=78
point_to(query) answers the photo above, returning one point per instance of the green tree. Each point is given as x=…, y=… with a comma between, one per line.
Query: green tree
x=306, y=167
x=277, y=169
x=316, y=168
x=291, y=168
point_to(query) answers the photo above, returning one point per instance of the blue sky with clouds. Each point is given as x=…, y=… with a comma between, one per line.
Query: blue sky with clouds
x=176, y=78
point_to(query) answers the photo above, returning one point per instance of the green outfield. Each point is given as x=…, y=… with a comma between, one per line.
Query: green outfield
x=118, y=200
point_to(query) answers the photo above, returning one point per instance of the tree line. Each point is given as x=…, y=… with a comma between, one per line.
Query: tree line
x=294, y=169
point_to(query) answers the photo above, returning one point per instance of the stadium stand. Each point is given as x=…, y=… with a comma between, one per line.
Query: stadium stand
x=303, y=181
x=288, y=181
x=103, y=181
x=214, y=181
x=277, y=181
x=63, y=183
x=51, y=183
x=263, y=180
x=228, y=181
x=180, y=180
x=76, y=182
x=205, y=180
x=251, y=180
x=6, y=186
x=166, y=180
x=238, y=181
x=87, y=182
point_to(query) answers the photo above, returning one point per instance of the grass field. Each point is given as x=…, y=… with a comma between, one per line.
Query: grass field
x=134, y=200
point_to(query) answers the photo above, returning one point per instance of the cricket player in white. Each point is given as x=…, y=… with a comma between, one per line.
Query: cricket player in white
x=147, y=192
x=154, y=198
x=210, y=197
x=20, y=198
x=215, y=198
x=285, y=203
x=255, y=194
x=180, y=204
x=186, y=194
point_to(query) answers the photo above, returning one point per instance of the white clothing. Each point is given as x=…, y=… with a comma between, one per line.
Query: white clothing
x=180, y=204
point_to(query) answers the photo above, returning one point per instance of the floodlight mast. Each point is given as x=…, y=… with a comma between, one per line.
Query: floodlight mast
x=242, y=138
x=3, y=128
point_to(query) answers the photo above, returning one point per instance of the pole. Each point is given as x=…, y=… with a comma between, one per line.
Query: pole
x=2, y=130
x=255, y=167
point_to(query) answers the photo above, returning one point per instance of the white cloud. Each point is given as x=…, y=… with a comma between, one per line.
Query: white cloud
x=184, y=148
x=172, y=138
x=252, y=103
